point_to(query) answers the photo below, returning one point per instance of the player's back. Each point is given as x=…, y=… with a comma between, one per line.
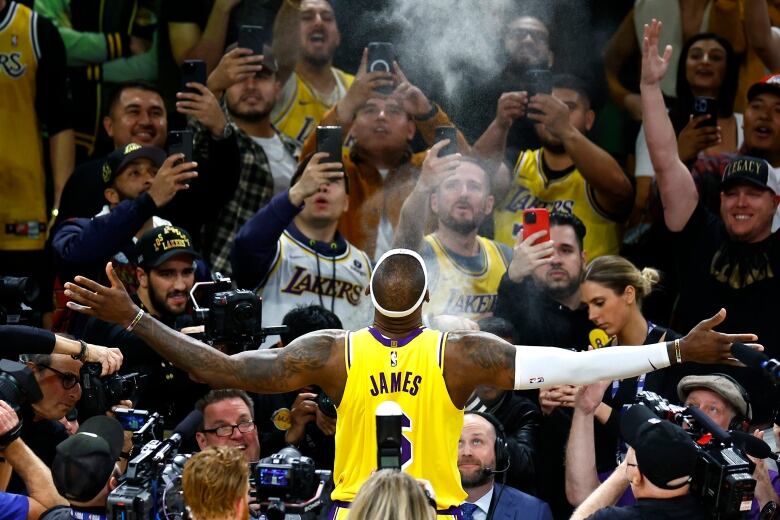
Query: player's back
x=408, y=371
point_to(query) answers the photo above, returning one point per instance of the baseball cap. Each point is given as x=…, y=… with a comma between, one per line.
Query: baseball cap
x=84, y=461
x=722, y=385
x=121, y=157
x=161, y=243
x=753, y=170
x=664, y=452
x=769, y=83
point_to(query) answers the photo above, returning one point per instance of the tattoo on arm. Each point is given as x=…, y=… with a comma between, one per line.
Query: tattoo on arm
x=493, y=356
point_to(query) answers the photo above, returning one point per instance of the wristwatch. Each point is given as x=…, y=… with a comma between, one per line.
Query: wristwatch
x=769, y=511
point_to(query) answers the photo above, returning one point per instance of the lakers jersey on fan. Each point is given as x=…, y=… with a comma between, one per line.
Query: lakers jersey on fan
x=22, y=179
x=301, y=108
x=300, y=276
x=571, y=194
x=409, y=371
x=460, y=291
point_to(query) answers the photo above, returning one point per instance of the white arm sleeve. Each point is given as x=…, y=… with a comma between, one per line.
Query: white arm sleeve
x=537, y=367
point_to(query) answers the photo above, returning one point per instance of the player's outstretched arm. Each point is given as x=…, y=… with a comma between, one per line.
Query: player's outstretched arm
x=269, y=371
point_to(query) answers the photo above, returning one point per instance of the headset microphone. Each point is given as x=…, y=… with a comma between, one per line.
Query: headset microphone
x=598, y=339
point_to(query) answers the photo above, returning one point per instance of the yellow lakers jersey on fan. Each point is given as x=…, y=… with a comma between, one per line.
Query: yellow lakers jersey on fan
x=22, y=179
x=301, y=110
x=410, y=372
x=571, y=194
x=461, y=292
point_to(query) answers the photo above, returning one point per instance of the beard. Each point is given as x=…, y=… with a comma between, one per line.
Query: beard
x=561, y=292
x=478, y=478
x=317, y=60
x=462, y=227
x=249, y=116
x=160, y=302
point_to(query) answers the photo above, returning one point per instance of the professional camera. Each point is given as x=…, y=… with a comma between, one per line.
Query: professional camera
x=326, y=404
x=17, y=384
x=233, y=317
x=287, y=482
x=99, y=394
x=16, y=294
x=140, y=491
x=722, y=478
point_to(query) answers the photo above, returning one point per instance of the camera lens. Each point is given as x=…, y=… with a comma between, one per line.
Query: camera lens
x=530, y=218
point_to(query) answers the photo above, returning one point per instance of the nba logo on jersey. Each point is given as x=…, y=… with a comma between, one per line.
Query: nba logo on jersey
x=14, y=40
x=393, y=359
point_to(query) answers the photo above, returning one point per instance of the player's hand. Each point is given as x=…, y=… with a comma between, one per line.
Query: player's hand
x=203, y=106
x=234, y=67
x=527, y=256
x=435, y=169
x=109, y=358
x=409, y=96
x=325, y=423
x=654, y=65
x=314, y=176
x=111, y=304
x=171, y=178
x=589, y=397
x=705, y=345
x=511, y=106
x=303, y=411
x=362, y=89
x=693, y=140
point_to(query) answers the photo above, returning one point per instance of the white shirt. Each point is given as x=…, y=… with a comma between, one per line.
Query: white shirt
x=483, y=505
x=279, y=159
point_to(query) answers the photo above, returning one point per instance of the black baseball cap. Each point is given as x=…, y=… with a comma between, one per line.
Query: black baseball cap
x=752, y=170
x=84, y=461
x=161, y=243
x=664, y=452
x=117, y=160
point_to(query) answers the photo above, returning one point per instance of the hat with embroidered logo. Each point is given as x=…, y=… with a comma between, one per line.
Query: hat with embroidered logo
x=117, y=160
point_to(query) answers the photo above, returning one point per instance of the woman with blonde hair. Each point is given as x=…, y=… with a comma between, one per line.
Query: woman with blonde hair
x=392, y=495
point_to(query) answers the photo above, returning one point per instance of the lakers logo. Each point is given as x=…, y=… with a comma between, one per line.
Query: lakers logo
x=132, y=147
x=106, y=172
x=393, y=359
x=281, y=419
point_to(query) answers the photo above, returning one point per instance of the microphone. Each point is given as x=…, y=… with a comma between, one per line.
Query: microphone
x=709, y=425
x=388, y=435
x=753, y=446
x=755, y=359
x=184, y=430
x=598, y=339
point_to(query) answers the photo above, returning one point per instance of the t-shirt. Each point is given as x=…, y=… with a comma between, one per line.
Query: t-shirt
x=13, y=507
x=716, y=272
x=685, y=507
x=279, y=159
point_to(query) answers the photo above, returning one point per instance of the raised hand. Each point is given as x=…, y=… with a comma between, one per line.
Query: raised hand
x=653, y=64
x=511, y=106
x=171, y=178
x=693, y=140
x=362, y=89
x=315, y=175
x=435, y=169
x=705, y=345
x=589, y=397
x=203, y=106
x=109, y=358
x=111, y=304
x=552, y=113
x=413, y=100
x=527, y=256
x=234, y=67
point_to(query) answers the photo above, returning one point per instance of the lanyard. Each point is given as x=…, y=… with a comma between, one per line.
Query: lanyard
x=640, y=382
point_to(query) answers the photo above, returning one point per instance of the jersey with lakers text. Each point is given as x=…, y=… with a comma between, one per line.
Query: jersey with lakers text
x=300, y=108
x=409, y=371
x=301, y=276
x=460, y=289
x=570, y=193
x=22, y=178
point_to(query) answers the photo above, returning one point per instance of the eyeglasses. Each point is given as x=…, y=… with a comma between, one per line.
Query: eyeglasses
x=69, y=379
x=227, y=429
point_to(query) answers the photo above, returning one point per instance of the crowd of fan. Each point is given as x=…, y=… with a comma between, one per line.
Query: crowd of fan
x=622, y=152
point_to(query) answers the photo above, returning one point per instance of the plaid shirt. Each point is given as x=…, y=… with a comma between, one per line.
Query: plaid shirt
x=255, y=189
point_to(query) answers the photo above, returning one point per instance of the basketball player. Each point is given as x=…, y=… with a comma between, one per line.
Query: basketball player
x=429, y=374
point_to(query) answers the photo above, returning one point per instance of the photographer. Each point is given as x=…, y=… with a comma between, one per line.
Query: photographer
x=86, y=469
x=166, y=263
x=659, y=465
x=34, y=474
x=216, y=485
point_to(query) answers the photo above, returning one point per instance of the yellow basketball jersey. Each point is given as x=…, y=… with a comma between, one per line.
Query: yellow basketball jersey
x=412, y=375
x=462, y=292
x=571, y=194
x=300, y=113
x=22, y=176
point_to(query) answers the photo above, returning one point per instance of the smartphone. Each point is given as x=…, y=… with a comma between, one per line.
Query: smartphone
x=132, y=420
x=536, y=219
x=447, y=132
x=193, y=71
x=537, y=81
x=252, y=37
x=706, y=105
x=329, y=140
x=381, y=56
x=180, y=141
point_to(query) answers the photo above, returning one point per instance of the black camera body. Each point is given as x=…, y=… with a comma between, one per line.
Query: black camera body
x=99, y=394
x=16, y=294
x=722, y=478
x=326, y=405
x=17, y=384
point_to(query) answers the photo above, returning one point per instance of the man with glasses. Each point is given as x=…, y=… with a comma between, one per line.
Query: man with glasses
x=228, y=420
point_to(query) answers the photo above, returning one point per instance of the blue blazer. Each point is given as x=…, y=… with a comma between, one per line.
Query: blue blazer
x=516, y=505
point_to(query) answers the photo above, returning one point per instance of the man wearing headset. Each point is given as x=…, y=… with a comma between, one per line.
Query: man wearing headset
x=483, y=454
x=719, y=396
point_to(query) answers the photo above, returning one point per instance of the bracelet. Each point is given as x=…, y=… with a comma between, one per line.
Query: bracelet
x=677, y=353
x=135, y=321
x=82, y=355
x=124, y=455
